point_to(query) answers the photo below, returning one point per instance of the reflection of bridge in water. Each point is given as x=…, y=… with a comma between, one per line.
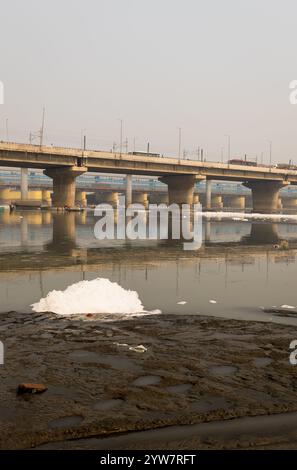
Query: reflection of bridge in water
x=46, y=240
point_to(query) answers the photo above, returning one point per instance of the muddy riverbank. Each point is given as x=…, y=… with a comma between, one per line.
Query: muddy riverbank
x=107, y=375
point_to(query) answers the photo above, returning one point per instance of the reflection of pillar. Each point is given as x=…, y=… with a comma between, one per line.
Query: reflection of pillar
x=265, y=195
x=81, y=198
x=46, y=198
x=64, y=236
x=208, y=195
x=263, y=233
x=34, y=218
x=24, y=183
x=140, y=198
x=128, y=190
x=46, y=217
x=24, y=231
x=207, y=231
x=280, y=204
x=180, y=188
x=216, y=202
x=64, y=185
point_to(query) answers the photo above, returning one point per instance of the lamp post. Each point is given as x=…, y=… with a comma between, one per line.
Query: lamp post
x=229, y=145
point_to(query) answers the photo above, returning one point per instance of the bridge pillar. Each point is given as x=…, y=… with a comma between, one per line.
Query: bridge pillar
x=196, y=199
x=236, y=202
x=5, y=195
x=265, y=195
x=158, y=198
x=180, y=188
x=111, y=198
x=128, y=190
x=24, y=184
x=81, y=198
x=216, y=202
x=64, y=185
x=140, y=198
x=208, y=195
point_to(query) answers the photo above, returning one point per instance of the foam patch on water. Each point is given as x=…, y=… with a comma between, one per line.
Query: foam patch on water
x=97, y=296
x=243, y=216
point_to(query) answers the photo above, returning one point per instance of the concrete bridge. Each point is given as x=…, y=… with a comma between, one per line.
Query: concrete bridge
x=63, y=165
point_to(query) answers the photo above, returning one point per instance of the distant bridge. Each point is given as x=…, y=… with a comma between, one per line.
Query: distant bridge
x=64, y=165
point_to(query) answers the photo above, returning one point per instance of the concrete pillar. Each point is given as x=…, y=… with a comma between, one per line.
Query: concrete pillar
x=64, y=185
x=180, y=188
x=46, y=197
x=24, y=183
x=140, y=198
x=208, y=195
x=196, y=199
x=216, y=202
x=158, y=198
x=15, y=195
x=35, y=195
x=111, y=198
x=128, y=190
x=5, y=195
x=236, y=202
x=81, y=198
x=265, y=195
x=289, y=203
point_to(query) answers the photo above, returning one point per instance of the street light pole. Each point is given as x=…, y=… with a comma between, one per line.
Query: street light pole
x=270, y=152
x=121, y=137
x=229, y=146
x=179, y=142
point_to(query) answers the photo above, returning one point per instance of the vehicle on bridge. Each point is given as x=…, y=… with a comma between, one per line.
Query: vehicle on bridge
x=286, y=166
x=240, y=161
x=144, y=154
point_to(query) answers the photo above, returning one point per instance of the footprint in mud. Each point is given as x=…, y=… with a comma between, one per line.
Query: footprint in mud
x=116, y=362
x=180, y=388
x=262, y=361
x=66, y=421
x=210, y=404
x=222, y=370
x=105, y=405
x=146, y=380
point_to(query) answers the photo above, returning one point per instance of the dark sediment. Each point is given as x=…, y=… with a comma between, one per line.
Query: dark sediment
x=195, y=370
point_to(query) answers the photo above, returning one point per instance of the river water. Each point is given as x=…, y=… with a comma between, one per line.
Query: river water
x=241, y=267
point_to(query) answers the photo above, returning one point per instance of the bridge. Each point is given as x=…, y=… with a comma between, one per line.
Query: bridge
x=64, y=165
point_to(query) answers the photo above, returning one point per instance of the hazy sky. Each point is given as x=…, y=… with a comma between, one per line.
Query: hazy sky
x=211, y=67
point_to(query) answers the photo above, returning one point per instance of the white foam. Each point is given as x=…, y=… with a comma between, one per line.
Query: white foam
x=244, y=216
x=97, y=296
